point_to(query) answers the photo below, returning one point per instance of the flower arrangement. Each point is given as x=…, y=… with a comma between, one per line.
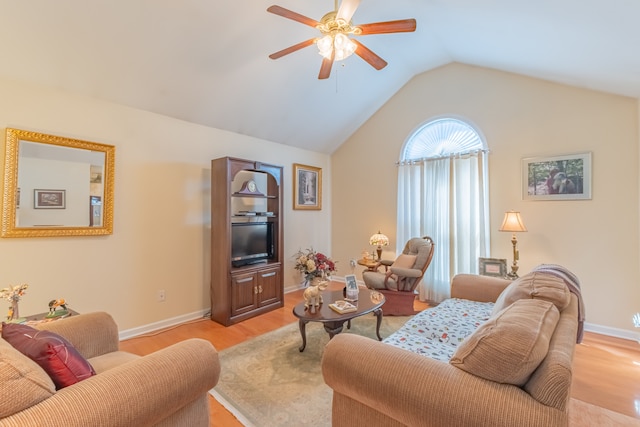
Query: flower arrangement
x=314, y=264
x=13, y=295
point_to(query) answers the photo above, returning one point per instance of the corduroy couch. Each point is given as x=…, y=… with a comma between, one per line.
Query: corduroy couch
x=166, y=388
x=377, y=384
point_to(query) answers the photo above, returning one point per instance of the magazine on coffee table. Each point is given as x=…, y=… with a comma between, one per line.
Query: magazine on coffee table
x=343, y=307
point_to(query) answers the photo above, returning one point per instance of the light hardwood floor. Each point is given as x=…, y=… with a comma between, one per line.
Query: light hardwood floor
x=606, y=369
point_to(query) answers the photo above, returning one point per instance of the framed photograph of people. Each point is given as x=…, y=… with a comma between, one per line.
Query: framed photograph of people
x=307, y=187
x=351, y=289
x=565, y=177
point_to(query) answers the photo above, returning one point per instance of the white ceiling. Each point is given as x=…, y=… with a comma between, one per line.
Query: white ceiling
x=206, y=61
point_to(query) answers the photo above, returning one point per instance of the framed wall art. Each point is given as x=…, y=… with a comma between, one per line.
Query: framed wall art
x=565, y=177
x=49, y=199
x=496, y=267
x=307, y=187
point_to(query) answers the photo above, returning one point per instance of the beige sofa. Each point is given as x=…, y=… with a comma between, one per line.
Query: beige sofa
x=377, y=384
x=166, y=388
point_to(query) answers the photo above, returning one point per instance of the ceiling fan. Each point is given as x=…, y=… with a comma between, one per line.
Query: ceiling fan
x=335, y=28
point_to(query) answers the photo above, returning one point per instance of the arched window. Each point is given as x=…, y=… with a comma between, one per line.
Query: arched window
x=443, y=193
x=442, y=137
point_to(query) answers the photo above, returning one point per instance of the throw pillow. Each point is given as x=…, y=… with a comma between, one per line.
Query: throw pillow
x=404, y=261
x=535, y=286
x=508, y=347
x=64, y=364
x=22, y=382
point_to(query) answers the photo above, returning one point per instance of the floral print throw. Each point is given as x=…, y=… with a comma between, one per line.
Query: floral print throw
x=437, y=332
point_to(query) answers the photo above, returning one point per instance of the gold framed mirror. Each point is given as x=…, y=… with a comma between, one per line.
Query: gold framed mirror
x=56, y=186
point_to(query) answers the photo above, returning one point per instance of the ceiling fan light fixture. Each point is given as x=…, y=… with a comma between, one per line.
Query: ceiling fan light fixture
x=337, y=44
x=335, y=28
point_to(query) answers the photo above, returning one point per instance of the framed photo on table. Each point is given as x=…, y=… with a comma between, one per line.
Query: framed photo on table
x=495, y=267
x=557, y=178
x=351, y=290
x=307, y=187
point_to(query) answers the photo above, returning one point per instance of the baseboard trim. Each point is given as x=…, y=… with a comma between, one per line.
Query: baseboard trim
x=612, y=332
x=162, y=324
x=167, y=323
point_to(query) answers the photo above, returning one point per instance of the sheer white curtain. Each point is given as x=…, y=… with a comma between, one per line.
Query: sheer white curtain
x=446, y=199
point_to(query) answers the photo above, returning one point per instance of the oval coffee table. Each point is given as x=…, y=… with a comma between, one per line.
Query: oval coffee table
x=368, y=301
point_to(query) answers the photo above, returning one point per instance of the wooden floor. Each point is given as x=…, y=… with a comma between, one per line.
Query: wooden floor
x=606, y=370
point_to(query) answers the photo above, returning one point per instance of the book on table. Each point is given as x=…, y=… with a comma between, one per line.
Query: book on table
x=343, y=307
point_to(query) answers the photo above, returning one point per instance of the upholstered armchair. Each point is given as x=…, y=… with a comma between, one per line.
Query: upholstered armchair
x=166, y=388
x=400, y=278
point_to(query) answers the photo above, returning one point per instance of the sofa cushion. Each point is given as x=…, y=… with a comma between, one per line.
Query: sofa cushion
x=404, y=261
x=535, y=286
x=22, y=382
x=111, y=360
x=53, y=353
x=510, y=345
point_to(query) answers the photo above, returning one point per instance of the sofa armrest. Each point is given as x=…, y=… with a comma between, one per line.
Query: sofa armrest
x=141, y=392
x=92, y=334
x=477, y=288
x=374, y=382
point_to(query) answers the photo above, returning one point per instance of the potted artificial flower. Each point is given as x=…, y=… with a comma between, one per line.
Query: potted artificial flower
x=314, y=265
x=13, y=295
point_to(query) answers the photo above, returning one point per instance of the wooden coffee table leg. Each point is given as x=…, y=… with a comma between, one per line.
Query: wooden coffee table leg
x=303, y=331
x=378, y=314
x=333, y=328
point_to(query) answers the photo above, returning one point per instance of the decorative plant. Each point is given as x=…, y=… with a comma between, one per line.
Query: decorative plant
x=13, y=295
x=314, y=264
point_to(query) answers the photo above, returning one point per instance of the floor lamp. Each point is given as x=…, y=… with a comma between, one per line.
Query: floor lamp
x=513, y=222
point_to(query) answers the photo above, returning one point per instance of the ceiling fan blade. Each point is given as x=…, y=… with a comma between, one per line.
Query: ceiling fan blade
x=286, y=13
x=325, y=68
x=367, y=54
x=400, y=26
x=347, y=9
x=292, y=49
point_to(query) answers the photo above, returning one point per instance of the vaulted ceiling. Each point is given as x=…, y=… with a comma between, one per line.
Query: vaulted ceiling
x=206, y=61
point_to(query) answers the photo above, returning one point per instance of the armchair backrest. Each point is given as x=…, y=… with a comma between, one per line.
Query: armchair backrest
x=422, y=248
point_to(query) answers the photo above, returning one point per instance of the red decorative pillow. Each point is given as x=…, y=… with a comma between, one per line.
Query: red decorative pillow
x=53, y=353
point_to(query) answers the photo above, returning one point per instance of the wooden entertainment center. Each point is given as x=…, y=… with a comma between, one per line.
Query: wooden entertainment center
x=249, y=281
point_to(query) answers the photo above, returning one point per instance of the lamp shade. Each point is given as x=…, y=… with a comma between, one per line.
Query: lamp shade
x=379, y=239
x=512, y=222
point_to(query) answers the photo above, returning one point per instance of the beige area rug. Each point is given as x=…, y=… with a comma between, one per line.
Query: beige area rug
x=267, y=382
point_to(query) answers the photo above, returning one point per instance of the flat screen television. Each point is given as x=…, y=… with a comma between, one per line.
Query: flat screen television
x=251, y=242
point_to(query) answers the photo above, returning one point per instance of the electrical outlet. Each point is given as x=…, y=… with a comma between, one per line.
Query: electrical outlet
x=160, y=295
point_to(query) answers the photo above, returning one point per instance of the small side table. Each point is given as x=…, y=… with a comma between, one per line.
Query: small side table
x=369, y=263
x=42, y=317
x=39, y=318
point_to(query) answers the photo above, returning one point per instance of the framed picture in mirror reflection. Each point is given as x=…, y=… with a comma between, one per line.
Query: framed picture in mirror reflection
x=49, y=199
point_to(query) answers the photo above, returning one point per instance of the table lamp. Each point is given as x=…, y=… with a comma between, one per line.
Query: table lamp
x=379, y=240
x=513, y=222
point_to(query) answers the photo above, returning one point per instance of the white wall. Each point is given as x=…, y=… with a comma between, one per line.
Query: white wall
x=520, y=117
x=161, y=218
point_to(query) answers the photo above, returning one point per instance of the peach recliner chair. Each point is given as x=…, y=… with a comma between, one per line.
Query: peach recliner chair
x=401, y=277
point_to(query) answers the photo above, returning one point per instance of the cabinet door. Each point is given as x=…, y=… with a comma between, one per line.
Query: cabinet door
x=244, y=289
x=269, y=289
